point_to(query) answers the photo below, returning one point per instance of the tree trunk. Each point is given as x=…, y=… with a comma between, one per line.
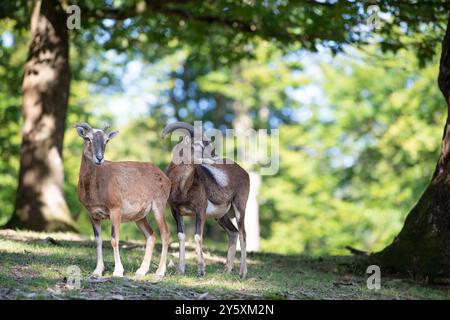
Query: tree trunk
x=252, y=213
x=40, y=203
x=423, y=246
x=241, y=123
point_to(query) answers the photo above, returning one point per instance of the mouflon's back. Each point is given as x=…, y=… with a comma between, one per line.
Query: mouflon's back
x=141, y=178
x=113, y=181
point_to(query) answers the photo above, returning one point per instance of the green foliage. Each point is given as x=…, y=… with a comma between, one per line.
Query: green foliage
x=13, y=52
x=257, y=87
x=224, y=32
x=351, y=172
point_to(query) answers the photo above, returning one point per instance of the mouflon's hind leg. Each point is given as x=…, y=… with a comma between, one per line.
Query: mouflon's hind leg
x=199, y=227
x=150, y=238
x=181, y=238
x=158, y=211
x=233, y=233
x=239, y=209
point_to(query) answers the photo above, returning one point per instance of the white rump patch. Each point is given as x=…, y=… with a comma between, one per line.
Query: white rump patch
x=217, y=211
x=220, y=176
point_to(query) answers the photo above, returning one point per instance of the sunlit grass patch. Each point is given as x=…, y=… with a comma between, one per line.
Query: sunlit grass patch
x=34, y=267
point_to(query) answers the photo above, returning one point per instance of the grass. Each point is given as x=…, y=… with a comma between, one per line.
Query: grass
x=32, y=266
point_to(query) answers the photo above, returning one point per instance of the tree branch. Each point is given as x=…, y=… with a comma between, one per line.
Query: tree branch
x=148, y=6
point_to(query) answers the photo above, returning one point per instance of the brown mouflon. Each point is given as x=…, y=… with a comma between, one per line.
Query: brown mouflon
x=207, y=188
x=122, y=192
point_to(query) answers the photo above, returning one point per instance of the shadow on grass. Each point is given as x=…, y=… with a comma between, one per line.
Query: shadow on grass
x=38, y=270
x=43, y=276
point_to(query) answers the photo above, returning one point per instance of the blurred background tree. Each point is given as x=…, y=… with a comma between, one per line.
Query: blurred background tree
x=347, y=166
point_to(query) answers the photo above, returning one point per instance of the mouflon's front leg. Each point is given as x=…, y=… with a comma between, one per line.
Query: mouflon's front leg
x=115, y=235
x=98, y=241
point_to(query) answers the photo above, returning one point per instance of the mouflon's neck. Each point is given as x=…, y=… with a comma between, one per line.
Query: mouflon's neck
x=87, y=165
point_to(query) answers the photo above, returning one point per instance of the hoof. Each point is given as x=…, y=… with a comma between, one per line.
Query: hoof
x=160, y=274
x=158, y=277
x=227, y=269
x=97, y=273
x=118, y=273
x=140, y=273
x=201, y=273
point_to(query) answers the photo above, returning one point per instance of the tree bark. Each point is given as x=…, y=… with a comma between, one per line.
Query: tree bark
x=40, y=203
x=241, y=123
x=422, y=248
x=252, y=213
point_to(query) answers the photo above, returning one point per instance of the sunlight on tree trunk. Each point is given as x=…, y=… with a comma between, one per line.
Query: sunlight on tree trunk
x=40, y=203
x=241, y=123
x=252, y=213
x=423, y=245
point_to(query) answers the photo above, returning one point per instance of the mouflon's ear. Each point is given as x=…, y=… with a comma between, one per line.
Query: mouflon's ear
x=82, y=129
x=112, y=134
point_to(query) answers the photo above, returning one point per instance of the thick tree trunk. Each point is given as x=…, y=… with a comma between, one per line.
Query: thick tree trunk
x=423, y=245
x=40, y=203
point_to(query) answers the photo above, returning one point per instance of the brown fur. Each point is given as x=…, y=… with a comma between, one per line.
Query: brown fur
x=192, y=187
x=113, y=184
x=122, y=192
x=195, y=190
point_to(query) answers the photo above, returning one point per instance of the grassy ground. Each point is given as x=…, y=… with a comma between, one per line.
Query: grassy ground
x=34, y=266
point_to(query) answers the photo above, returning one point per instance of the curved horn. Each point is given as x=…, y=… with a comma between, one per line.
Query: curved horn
x=83, y=125
x=177, y=125
x=105, y=126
